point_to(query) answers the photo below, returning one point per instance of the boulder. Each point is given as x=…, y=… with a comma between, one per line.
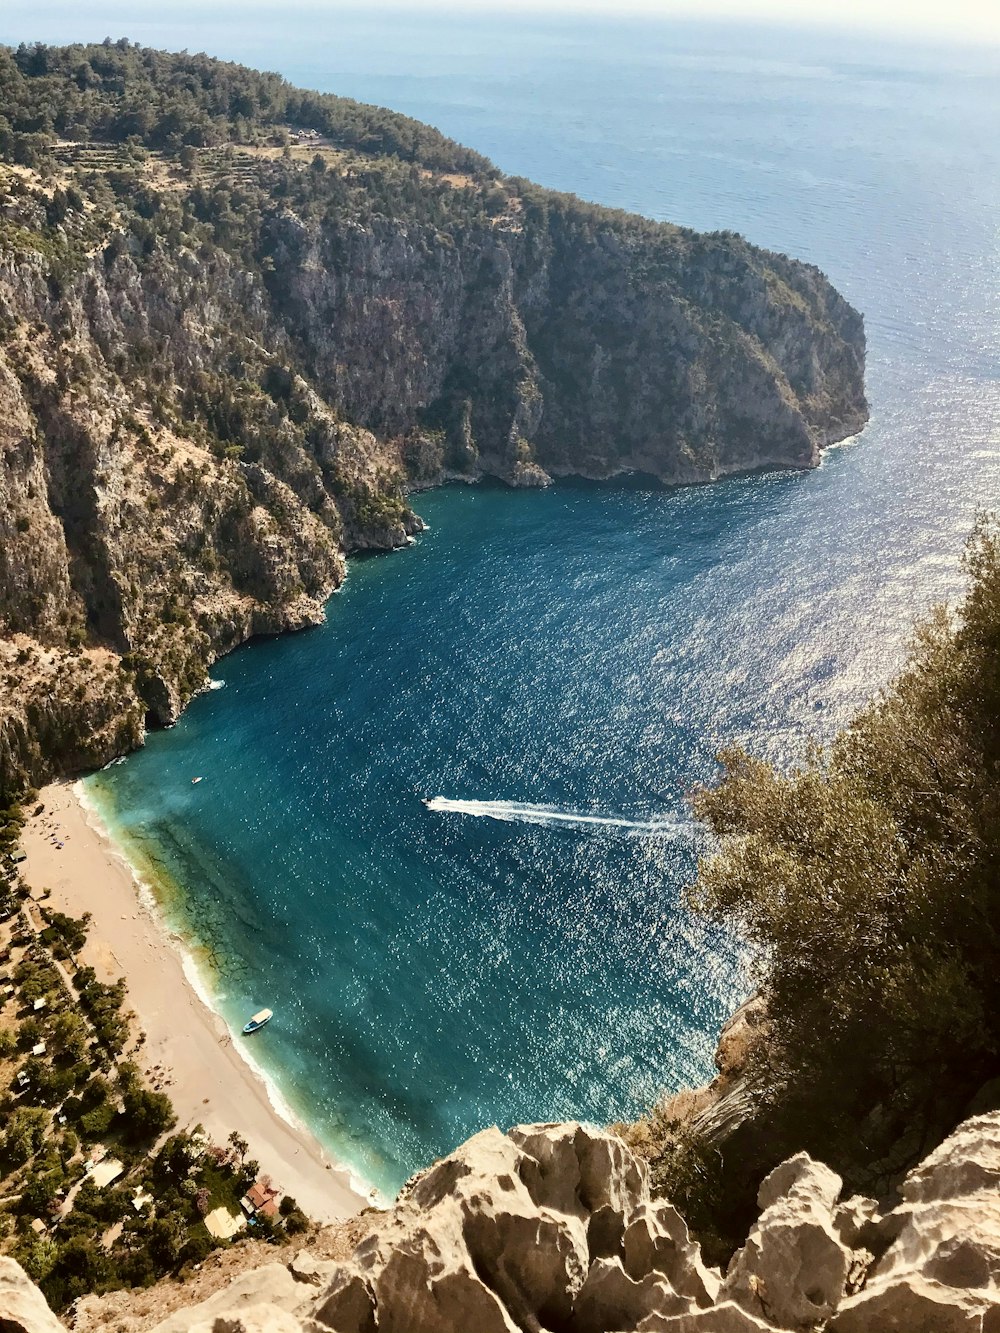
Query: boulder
x=305, y=1267
x=940, y=1269
x=348, y=1304
x=22, y=1305
x=794, y=1267
x=725, y=1318
x=966, y=1163
x=263, y=1318
x=578, y=1171
x=610, y=1299
x=856, y=1220
x=504, y=1235
x=435, y=1291
x=271, y=1287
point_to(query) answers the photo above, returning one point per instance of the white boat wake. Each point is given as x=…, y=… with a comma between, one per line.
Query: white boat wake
x=517, y=812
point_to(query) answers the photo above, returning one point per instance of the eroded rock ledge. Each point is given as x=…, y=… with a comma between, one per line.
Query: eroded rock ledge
x=551, y=1229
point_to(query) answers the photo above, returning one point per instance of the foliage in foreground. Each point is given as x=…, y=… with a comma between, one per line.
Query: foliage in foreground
x=867, y=881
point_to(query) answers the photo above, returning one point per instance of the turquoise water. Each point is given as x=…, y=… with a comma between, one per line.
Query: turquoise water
x=580, y=651
x=435, y=971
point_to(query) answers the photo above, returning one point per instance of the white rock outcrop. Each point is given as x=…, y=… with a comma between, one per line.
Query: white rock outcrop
x=551, y=1229
x=942, y=1270
x=22, y=1305
x=793, y=1269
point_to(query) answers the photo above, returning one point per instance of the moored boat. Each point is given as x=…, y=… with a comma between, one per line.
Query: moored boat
x=258, y=1021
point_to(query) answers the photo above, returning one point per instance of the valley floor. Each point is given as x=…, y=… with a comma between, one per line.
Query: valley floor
x=188, y=1053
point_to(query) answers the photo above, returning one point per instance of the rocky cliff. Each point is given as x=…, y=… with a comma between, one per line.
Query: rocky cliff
x=551, y=1229
x=240, y=328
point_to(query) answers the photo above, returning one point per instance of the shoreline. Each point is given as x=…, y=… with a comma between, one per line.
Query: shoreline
x=207, y=1077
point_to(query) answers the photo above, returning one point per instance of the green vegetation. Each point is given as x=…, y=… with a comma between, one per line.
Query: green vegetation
x=117, y=92
x=259, y=314
x=69, y=1099
x=867, y=882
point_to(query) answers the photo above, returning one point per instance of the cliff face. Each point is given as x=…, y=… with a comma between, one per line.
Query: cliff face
x=551, y=1229
x=220, y=374
x=135, y=549
x=558, y=344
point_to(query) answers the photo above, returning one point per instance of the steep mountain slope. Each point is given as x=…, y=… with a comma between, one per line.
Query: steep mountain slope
x=239, y=323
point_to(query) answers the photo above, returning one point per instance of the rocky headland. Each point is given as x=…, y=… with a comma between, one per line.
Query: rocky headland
x=240, y=324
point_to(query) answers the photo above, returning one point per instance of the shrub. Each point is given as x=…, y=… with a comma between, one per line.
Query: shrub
x=866, y=881
x=146, y=1115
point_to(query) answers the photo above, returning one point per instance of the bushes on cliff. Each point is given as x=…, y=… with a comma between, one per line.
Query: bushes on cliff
x=867, y=881
x=122, y=93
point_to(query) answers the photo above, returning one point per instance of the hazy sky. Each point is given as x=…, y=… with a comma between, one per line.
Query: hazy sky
x=957, y=19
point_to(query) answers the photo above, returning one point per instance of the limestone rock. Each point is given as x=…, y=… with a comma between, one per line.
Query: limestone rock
x=22, y=1305
x=510, y=1232
x=610, y=1299
x=271, y=1287
x=304, y=1267
x=258, y=1319
x=941, y=1270
x=856, y=1219
x=728, y=1317
x=657, y=1240
x=913, y=1304
x=348, y=1304
x=581, y=1172
x=469, y=1241
x=794, y=1267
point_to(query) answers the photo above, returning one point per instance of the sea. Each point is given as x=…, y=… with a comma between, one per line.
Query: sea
x=445, y=837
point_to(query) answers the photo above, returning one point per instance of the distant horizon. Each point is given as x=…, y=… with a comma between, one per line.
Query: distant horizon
x=919, y=22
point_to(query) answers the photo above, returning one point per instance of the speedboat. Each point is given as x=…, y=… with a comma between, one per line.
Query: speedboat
x=257, y=1022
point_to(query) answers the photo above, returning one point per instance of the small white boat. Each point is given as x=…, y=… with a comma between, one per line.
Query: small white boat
x=257, y=1022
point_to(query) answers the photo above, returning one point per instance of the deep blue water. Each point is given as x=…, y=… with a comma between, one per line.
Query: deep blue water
x=583, y=650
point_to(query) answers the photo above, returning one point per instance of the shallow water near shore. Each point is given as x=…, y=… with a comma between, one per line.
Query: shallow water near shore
x=444, y=836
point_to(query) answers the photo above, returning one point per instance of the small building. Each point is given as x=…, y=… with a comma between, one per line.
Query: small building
x=107, y=1171
x=141, y=1200
x=222, y=1224
x=39, y=1004
x=38, y=1226
x=257, y=1197
x=39, y=1049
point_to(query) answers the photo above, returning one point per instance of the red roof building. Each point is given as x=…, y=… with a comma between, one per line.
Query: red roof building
x=260, y=1197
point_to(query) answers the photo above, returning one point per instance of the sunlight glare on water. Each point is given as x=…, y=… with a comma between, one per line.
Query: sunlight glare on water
x=554, y=658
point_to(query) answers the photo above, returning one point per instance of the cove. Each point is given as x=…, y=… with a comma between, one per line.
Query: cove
x=584, y=651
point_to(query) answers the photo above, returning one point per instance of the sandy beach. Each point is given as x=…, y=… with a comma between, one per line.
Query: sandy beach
x=201, y=1068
